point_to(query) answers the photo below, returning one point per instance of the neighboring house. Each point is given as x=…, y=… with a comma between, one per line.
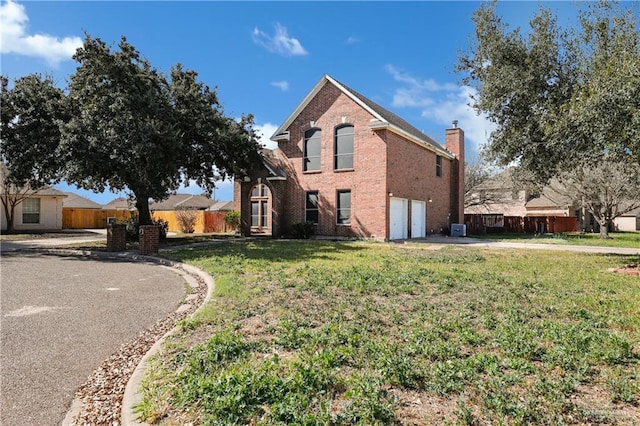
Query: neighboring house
x=182, y=201
x=498, y=199
x=75, y=201
x=628, y=222
x=222, y=206
x=354, y=169
x=120, y=203
x=41, y=211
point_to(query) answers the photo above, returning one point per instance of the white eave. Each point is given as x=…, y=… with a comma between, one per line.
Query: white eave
x=377, y=124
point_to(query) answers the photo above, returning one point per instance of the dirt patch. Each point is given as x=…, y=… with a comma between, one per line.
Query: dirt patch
x=630, y=269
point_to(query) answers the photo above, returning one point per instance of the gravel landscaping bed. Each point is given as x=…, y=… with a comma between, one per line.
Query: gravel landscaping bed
x=100, y=397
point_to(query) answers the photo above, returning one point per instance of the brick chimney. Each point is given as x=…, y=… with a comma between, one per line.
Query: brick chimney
x=454, y=141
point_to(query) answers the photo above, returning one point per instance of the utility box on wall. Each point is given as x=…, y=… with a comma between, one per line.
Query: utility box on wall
x=458, y=230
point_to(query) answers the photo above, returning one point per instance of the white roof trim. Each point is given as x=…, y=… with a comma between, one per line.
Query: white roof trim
x=383, y=125
x=302, y=105
x=378, y=122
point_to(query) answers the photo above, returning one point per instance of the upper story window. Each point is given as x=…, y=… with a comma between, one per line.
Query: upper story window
x=438, y=165
x=311, y=207
x=31, y=210
x=343, y=149
x=343, y=207
x=312, y=149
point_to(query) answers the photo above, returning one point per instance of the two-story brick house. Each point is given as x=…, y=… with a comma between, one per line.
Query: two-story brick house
x=354, y=169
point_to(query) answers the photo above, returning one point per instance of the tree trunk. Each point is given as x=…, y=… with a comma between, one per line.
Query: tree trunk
x=604, y=229
x=9, y=210
x=144, y=214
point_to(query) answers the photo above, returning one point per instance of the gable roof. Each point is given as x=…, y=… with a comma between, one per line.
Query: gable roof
x=119, y=203
x=222, y=206
x=185, y=201
x=76, y=201
x=383, y=118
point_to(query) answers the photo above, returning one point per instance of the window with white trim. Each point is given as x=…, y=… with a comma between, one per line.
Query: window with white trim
x=343, y=207
x=311, y=212
x=260, y=206
x=343, y=148
x=312, y=150
x=31, y=210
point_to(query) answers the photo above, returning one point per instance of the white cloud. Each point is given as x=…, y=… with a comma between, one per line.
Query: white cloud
x=14, y=37
x=282, y=85
x=442, y=103
x=352, y=40
x=279, y=43
x=265, y=131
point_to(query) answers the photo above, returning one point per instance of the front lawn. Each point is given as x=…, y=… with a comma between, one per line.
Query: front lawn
x=368, y=333
x=618, y=239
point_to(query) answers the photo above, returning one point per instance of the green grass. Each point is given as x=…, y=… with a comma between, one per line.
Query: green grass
x=618, y=239
x=367, y=333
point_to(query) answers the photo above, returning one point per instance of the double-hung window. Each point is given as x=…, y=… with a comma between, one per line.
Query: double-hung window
x=31, y=210
x=438, y=165
x=312, y=150
x=343, y=149
x=311, y=207
x=343, y=207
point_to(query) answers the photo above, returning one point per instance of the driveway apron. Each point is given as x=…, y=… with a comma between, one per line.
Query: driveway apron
x=61, y=317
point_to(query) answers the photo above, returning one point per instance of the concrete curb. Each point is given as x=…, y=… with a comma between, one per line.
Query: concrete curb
x=131, y=396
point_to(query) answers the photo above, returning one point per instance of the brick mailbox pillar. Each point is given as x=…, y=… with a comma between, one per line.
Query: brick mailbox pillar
x=116, y=237
x=149, y=239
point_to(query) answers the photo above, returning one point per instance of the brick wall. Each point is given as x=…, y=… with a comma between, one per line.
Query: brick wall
x=412, y=175
x=384, y=162
x=149, y=239
x=331, y=108
x=116, y=238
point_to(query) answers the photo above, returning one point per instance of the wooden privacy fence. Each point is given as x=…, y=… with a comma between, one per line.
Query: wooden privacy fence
x=206, y=222
x=91, y=218
x=482, y=224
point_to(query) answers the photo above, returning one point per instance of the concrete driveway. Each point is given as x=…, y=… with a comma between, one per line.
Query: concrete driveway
x=61, y=316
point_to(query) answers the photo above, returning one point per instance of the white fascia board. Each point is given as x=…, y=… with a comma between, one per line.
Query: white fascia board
x=302, y=105
x=382, y=125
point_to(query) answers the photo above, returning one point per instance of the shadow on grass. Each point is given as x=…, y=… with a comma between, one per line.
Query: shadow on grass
x=267, y=250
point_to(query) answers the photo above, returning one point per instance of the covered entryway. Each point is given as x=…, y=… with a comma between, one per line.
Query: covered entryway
x=418, y=218
x=398, y=218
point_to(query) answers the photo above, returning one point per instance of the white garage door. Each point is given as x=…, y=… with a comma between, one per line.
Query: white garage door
x=418, y=218
x=398, y=213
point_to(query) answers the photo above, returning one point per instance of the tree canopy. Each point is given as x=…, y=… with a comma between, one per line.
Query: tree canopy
x=31, y=113
x=559, y=97
x=132, y=128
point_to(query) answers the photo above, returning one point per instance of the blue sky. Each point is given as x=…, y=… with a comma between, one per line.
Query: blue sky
x=264, y=57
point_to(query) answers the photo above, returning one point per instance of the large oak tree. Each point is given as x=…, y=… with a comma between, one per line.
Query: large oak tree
x=31, y=114
x=563, y=100
x=134, y=129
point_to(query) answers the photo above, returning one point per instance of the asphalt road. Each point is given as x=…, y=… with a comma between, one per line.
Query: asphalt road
x=61, y=317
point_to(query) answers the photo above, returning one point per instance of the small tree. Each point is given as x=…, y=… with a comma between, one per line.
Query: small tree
x=31, y=113
x=607, y=190
x=187, y=219
x=476, y=174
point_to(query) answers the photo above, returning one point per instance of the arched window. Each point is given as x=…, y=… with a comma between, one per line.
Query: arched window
x=343, y=148
x=312, y=150
x=260, y=206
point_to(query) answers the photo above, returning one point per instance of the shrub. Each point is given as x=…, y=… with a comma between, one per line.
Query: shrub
x=302, y=230
x=186, y=219
x=133, y=228
x=232, y=219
